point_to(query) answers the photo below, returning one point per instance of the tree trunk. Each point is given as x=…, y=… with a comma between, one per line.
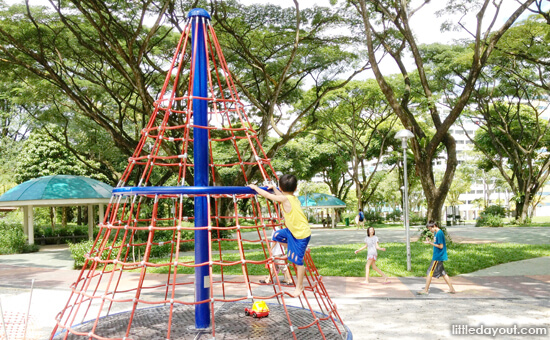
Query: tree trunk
x=435, y=196
x=358, y=195
x=64, y=217
x=79, y=216
x=52, y=217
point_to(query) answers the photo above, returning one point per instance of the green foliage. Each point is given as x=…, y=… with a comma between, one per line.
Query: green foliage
x=13, y=240
x=372, y=216
x=61, y=235
x=489, y=220
x=394, y=216
x=78, y=250
x=492, y=221
x=495, y=210
x=425, y=232
x=158, y=250
x=42, y=156
x=492, y=216
x=417, y=219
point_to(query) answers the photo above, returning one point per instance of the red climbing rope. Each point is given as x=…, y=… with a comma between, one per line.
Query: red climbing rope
x=140, y=257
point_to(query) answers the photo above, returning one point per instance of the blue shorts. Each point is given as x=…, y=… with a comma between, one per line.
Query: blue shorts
x=296, y=247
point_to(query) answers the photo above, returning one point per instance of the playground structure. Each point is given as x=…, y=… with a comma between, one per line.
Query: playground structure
x=124, y=292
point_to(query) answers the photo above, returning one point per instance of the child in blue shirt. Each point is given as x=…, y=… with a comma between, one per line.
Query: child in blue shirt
x=439, y=256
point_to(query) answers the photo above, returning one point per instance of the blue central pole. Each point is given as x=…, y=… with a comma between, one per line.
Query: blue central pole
x=200, y=147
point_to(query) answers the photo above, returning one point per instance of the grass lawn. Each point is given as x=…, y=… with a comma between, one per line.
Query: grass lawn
x=463, y=258
x=341, y=261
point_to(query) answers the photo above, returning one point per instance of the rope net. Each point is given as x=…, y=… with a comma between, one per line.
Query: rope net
x=142, y=256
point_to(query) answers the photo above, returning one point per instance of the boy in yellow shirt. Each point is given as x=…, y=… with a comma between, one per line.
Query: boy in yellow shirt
x=297, y=232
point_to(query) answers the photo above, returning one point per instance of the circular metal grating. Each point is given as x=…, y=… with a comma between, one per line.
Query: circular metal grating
x=230, y=323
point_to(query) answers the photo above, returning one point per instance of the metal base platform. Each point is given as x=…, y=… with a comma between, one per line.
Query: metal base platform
x=231, y=323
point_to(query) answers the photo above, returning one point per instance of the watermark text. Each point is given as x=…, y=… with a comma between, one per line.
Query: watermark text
x=494, y=331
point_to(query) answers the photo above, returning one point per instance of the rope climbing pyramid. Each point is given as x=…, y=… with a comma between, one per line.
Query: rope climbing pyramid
x=175, y=261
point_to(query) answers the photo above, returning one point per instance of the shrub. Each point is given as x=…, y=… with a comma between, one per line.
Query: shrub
x=373, y=217
x=61, y=235
x=490, y=221
x=492, y=216
x=425, y=232
x=13, y=240
x=394, y=215
x=417, y=219
x=77, y=252
x=495, y=210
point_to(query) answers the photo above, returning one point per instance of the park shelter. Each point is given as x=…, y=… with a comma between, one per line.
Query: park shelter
x=57, y=191
x=322, y=201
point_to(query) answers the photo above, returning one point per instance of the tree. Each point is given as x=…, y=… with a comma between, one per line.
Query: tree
x=311, y=156
x=42, y=156
x=14, y=126
x=387, y=28
x=358, y=121
x=514, y=139
x=522, y=52
x=100, y=63
x=285, y=61
x=91, y=64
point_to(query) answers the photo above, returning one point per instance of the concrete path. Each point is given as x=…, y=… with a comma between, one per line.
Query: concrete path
x=503, y=296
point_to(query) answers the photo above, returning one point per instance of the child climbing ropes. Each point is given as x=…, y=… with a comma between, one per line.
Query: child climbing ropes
x=297, y=232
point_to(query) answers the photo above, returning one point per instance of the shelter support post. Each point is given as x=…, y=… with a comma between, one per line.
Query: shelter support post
x=90, y=222
x=25, y=220
x=333, y=218
x=30, y=223
x=101, y=213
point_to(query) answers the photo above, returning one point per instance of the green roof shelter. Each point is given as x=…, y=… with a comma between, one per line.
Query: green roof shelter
x=322, y=201
x=56, y=191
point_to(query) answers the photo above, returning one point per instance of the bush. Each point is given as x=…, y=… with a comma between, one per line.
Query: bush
x=425, y=232
x=13, y=240
x=417, y=219
x=492, y=216
x=373, y=217
x=62, y=235
x=490, y=221
x=78, y=250
x=495, y=210
x=394, y=215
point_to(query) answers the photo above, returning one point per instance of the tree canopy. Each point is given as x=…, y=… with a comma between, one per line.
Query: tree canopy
x=388, y=31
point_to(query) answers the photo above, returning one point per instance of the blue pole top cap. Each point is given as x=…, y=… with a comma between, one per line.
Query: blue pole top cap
x=198, y=12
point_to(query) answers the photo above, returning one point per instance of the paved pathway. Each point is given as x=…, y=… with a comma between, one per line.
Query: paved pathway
x=506, y=295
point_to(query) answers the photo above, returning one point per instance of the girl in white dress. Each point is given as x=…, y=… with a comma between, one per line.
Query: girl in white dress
x=371, y=242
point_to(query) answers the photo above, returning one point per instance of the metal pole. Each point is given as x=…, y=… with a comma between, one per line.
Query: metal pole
x=406, y=202
x=199, y=16
x=28, y=312
x=3, y=322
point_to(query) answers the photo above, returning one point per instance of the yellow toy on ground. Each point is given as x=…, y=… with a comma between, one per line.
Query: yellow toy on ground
x=259, y=310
